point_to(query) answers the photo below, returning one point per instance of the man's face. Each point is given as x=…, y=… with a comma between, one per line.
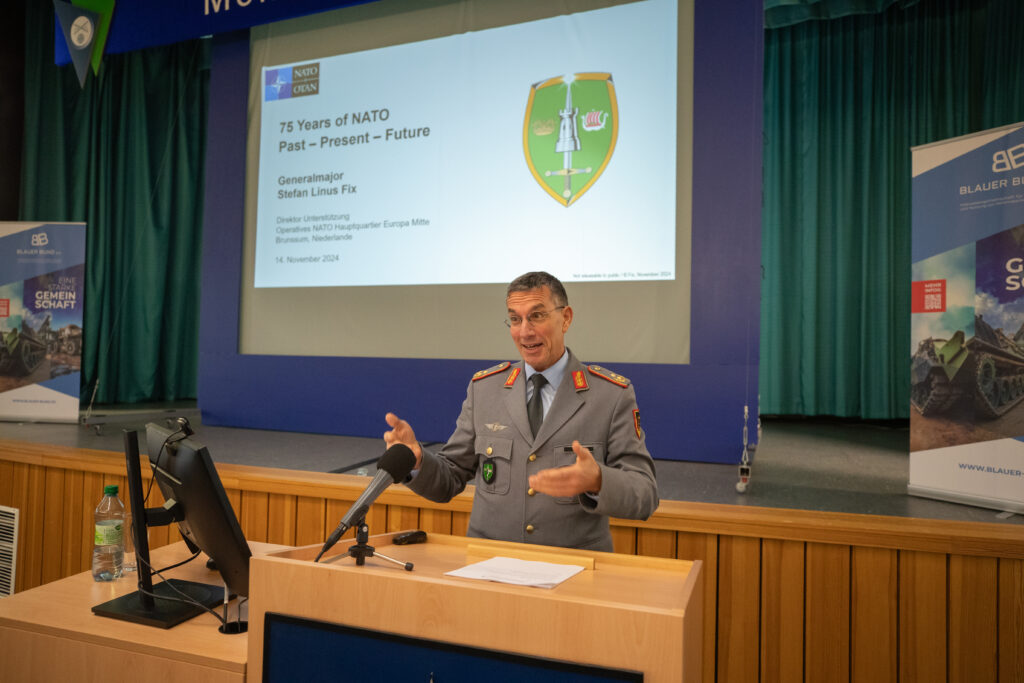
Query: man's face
x=540, y=344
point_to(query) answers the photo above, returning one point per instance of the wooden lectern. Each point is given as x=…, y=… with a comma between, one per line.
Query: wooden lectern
x=621, y=612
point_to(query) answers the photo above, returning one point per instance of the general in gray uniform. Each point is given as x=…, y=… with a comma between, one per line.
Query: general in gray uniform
x=552, y=457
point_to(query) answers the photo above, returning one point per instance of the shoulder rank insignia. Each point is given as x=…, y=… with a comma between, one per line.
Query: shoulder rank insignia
x=605, y=373
x=491, y=371
x=579, y=380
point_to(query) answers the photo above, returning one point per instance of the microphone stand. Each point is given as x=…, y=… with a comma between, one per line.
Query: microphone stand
x=361, y=550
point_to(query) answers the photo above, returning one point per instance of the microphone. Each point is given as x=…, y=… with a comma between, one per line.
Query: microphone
x=395, y=465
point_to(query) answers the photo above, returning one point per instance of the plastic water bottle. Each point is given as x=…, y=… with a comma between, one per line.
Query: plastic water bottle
x=108, y=544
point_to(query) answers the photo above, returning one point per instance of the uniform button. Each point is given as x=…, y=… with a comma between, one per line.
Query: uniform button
x=489, y=450
x=533, y=456
x=530, y=491
x=529, y=528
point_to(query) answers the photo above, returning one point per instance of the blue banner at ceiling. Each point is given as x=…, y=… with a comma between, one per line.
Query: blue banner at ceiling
x=147, y=23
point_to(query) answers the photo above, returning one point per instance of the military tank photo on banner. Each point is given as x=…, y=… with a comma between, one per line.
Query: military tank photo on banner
x=967, y=365
x=21, y=351
x=988, y=368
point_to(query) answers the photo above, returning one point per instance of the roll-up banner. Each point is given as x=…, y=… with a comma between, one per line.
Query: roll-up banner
x=967, y=320
x=42, y=282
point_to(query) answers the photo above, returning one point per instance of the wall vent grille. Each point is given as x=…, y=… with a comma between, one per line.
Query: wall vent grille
x=8, y=549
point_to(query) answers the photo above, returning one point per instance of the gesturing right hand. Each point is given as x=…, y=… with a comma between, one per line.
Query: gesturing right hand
x=401, y=432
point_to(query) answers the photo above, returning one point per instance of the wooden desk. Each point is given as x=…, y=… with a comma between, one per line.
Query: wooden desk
x=49, y=633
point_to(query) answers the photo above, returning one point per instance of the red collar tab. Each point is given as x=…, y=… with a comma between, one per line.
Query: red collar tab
x=512, y=377
x=579, y=380
x=491, y=371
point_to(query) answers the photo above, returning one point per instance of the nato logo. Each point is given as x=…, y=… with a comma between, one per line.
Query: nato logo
x=293, y=81
x=278, y=84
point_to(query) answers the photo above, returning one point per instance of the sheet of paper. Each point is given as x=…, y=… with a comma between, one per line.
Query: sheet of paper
x=518, y=572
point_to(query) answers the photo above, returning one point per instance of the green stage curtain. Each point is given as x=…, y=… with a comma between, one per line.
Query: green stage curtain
x=125, y=154
x=779, y=13
x=844, y=101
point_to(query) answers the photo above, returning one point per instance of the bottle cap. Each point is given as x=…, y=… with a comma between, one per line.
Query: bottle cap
x=110, y=490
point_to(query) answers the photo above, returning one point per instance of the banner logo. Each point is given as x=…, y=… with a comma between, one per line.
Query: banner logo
x=40, y=239
x=292, y=81
x=81, y=32
x=569, y=133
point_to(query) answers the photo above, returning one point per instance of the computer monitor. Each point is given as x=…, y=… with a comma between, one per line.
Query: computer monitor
x=185, y=474
x=196, y=500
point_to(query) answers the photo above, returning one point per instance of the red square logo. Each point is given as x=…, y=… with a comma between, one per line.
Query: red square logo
x=5, y=308
x=928, y=296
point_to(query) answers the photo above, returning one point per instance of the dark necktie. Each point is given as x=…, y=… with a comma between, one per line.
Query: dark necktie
x=535, y=406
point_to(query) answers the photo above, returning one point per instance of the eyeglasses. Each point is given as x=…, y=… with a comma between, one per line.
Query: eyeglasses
x=534, y=318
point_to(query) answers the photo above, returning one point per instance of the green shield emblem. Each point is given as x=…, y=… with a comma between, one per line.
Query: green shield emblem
x=488, y=471
x=569, y=132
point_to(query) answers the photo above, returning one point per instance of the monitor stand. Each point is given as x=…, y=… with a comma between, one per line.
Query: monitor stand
x=152, y=604
x=160, y=611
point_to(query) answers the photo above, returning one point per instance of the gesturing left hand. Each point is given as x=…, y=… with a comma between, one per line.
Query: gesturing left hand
x=582, y=477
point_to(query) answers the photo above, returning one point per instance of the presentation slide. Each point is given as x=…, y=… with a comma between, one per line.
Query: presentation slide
x=420, y=163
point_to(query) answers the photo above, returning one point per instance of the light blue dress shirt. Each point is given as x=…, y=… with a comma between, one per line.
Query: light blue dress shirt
x=553, y=375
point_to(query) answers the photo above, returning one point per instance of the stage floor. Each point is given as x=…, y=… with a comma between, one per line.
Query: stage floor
x=800, y=463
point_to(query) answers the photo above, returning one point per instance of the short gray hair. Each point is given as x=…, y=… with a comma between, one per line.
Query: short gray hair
x=537, y=280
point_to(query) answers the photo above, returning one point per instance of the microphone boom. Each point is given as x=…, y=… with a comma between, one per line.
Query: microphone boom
x=395, y=465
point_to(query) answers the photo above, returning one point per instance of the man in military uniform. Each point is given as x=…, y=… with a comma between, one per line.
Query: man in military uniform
x=554, y=447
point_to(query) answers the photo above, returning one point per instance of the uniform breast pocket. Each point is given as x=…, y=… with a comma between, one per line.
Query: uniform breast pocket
x=565, y=456
x=494, y=464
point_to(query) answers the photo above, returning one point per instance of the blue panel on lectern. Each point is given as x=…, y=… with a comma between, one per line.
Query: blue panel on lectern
x=307, y=650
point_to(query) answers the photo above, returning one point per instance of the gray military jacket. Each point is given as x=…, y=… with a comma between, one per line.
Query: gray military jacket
x=492, y=446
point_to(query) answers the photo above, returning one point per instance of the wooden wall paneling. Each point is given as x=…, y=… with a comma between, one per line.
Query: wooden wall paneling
x=656, y=542
x=29, y=480
x=827, y=613
x=704, y=547
x=1011, y=621
x=19, y=495
x=923, y=616
x=739, y=603
x=376, y=518
x=401, y=518
x=460, y=523
x=72, y=559
x=235, y=498
x=280, y=518
x=624, y=539
x=973, y=619
x=6, y=482
x=310, y=521
x=334, y=511
x=436, y=521
x=53, y=521
x=782, y=611
x=255, y=506
x=874, y=632
x=91, y=482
